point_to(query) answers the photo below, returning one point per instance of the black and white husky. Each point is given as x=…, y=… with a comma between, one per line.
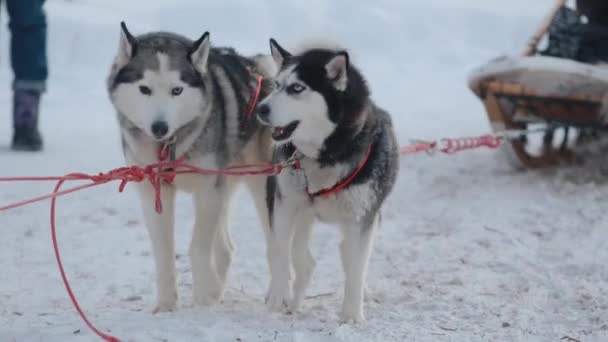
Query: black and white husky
x=322, y=115
x=173, y=93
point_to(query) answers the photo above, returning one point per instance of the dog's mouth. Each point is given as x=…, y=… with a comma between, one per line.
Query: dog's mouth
x=284, y=132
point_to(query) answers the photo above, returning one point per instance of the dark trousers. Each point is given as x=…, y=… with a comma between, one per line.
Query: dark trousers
x=27, y=24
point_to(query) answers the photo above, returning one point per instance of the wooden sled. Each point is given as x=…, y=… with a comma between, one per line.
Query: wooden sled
x=560, y=98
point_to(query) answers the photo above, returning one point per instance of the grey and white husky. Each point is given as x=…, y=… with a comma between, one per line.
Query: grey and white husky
x=169, y=91
x=322, y=115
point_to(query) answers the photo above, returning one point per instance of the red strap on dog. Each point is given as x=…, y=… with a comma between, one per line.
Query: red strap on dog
x=166, y=151
x=163, y=152
x=343, y=184
x=256, y=97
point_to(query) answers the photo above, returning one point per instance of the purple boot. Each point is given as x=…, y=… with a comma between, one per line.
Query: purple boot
x=25, y=121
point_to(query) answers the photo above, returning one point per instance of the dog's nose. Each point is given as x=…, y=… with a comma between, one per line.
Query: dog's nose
x=263, y=111
x=160, y=129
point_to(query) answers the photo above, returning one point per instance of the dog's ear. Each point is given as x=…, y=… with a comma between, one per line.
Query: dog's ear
x=199, y=53
x=337, y=70
x=127, y=46
x=278, y=53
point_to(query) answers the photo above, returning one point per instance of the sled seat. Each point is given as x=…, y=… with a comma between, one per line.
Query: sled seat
x=531, y=92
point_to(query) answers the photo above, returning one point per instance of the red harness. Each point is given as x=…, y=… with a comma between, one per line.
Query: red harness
x=343, y=183
x=256, y=97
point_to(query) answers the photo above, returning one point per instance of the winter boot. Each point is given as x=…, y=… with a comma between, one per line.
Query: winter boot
x=26, y=136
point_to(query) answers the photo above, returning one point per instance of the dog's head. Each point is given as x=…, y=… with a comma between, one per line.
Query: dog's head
x=158, y=81
x=315, y=93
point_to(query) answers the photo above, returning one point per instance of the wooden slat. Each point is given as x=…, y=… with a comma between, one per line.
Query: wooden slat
x=507, y=88
x=548, y=158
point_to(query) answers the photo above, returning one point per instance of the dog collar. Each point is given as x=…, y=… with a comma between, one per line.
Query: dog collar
x=166, y=150
x=343, y=183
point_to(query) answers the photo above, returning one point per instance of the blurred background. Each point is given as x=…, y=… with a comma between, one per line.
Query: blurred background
x=413, y=52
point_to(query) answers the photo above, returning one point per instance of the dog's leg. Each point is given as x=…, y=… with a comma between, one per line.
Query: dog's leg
x=224, y=248
x=303, y=262
x=283, y=232
x=257, y=187
x=211, y=208
x=160, y=229
x=355, y=251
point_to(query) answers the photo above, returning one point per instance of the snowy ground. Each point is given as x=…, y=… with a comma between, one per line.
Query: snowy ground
x=469, y=249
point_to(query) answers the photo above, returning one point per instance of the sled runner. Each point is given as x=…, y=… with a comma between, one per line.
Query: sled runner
x=557, y=92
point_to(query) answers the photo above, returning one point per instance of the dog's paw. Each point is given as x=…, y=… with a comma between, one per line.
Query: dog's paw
x=278, y=301
x=294, y=304
x=208, y=297
x=164, y=307
x=166, y=302
x=352, y=317
x=208, y=291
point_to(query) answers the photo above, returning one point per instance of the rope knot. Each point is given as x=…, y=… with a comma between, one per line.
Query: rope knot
x=137, y=174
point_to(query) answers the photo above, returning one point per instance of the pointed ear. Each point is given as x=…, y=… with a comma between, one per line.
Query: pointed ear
x=337, y=70
x=199, y=53
x=278, y=53
x=127, y=46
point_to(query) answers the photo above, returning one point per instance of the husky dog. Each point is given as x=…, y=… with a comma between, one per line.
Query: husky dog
x=321, y=114
x=171, y=92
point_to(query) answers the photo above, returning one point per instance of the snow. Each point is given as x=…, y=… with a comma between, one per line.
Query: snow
x=469, y=249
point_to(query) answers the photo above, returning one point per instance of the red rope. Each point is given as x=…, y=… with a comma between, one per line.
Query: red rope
x=165, y=171
x=418, y=147
x=454, y=145
x=156, y=174
x=66, y=283
x=461, y=144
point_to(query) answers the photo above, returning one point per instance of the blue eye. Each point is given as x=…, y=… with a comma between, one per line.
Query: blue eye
x=176, y=91
x=295, y=88
x=145, y=90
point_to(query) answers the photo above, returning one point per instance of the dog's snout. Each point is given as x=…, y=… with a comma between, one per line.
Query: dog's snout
x=160, y=129
x=263, y=110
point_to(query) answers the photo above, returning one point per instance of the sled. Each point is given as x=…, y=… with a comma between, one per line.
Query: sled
x=556, y=103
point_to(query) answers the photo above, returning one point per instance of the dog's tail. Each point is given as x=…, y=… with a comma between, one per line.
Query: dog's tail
x=265, y=65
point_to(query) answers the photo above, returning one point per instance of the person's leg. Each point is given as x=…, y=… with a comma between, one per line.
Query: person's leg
x=27, y=23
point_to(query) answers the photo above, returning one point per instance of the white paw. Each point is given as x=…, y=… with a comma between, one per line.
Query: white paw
x=207, y=291
x=352, y=317
x=208, y=296
x=166, y=302
x=278, y=301
x=295, y=304
x=164, y=307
